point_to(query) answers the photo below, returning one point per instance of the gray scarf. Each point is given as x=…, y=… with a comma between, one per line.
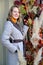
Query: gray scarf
x=18, y=26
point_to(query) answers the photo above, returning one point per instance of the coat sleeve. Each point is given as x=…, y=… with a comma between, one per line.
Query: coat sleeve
x=25, y=29
x=6, y=35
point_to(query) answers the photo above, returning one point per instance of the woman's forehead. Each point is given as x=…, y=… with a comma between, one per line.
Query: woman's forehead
x=16, y=9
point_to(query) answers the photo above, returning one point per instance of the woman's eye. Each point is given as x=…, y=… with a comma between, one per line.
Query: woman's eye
x=16, y=12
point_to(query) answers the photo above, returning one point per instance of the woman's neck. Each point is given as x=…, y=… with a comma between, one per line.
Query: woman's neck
x=13, y=19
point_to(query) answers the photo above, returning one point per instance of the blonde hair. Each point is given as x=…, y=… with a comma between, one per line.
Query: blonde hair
x=10, y=12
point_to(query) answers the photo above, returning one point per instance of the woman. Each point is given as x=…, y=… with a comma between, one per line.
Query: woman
x=13, y=35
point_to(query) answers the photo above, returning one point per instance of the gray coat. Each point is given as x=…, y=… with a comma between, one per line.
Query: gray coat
x=11, y=31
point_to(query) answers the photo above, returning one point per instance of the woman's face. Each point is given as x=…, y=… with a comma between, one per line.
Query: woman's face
x=15, y=13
